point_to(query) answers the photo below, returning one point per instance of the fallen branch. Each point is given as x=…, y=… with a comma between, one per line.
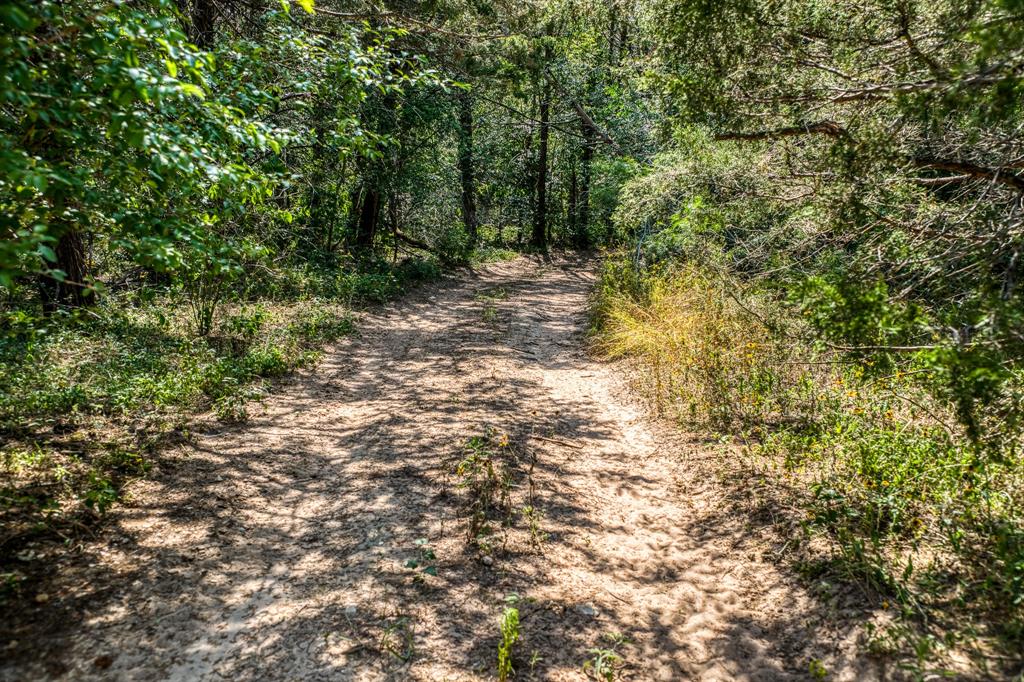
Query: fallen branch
x=575, y=446
x=412, y=241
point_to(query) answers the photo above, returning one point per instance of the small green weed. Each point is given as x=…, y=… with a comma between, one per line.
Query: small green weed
x=398, y=638
x=605, y=663
x=509, y=636
x=247, y=323
x=533, y=517
x=489, y=297
x=10, y=583
x=897, y=638
x=100, y=493
x=486, y=477
x=425, y=561
x=492, y=295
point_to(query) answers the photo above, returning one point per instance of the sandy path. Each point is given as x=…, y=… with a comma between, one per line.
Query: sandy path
x=278, y=550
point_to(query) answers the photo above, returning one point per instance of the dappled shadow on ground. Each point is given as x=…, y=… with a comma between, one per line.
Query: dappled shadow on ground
x=294, y=546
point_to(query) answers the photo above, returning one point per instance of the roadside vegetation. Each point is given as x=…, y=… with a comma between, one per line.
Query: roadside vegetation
x=88, y=398
x=867, y=476
x=824, y=273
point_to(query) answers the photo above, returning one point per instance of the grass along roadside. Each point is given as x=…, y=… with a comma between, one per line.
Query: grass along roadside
x=88, y=399
x=885, y=490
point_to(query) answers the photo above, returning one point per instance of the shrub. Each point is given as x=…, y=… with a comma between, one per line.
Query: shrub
x=908, y=503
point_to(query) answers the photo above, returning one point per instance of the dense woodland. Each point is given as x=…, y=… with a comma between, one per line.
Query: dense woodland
x=810, y=215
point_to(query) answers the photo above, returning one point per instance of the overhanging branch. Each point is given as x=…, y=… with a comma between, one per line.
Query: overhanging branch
x=964, y=170
x=398, y=18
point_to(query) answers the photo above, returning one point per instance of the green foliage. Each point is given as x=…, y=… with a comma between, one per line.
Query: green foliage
x=132, y=360
x=398, y=638
x=908, y=504
x=424, y=561
x=111, y=119
x=606, y=662
x=485, y=475
x=131, y=371
x=878, y=203
x=823, y=267
x=509, y=636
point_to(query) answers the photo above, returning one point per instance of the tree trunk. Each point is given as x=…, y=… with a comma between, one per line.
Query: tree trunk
x=613, y=29
x=71, y=259
x=466, y=166
x=540, y=216
x=583, y=213
x=573, y=198
x=530, y=182
x=392, y=223
x=369, y=215
x=201, y=32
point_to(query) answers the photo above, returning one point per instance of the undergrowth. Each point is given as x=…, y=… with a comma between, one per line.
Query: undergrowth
x=87, y=398
x=892, y=495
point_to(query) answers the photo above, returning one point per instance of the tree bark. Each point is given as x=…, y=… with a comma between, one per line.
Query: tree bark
x=466, y=166
x=540, y=216
x=529, y=180
x=573, y=199
x=613, y=29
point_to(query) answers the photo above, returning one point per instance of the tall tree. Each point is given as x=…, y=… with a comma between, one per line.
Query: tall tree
x=539, y=238
x=586, y=162
x=466, y=169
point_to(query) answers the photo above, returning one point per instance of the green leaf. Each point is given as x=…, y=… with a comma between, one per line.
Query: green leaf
x=430, y=570
x=11, y=15
x=306, y=5
x=194, y=90
x=172, y=68
x=47, y=253
x=37, y=181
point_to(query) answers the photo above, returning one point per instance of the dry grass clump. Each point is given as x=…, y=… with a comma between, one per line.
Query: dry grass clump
x=708, y=359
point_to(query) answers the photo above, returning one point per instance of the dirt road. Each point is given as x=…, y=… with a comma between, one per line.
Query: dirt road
x=304, y=544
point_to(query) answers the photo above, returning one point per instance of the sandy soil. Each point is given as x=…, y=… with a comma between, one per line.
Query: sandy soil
x=279, y=550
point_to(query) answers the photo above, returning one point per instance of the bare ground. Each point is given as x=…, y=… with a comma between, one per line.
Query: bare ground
x=279, y=549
